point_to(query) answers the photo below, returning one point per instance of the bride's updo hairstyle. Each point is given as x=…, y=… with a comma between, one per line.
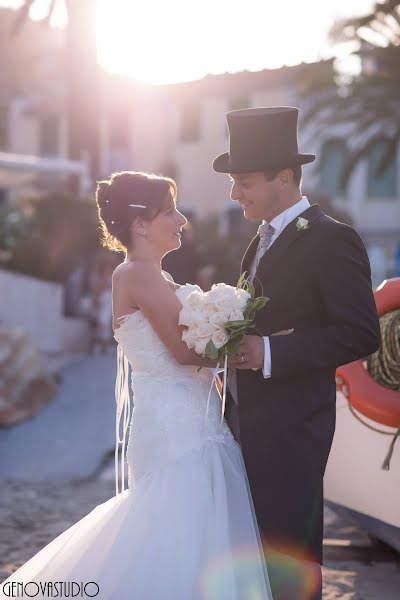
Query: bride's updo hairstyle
x=148, y=193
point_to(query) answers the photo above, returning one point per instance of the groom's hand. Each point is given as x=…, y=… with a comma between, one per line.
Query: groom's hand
x=250, y=354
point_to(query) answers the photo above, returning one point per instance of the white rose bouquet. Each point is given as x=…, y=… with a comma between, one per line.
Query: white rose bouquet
x=215, y=321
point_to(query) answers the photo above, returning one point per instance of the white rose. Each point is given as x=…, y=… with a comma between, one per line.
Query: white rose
x=194, y=300
x=185, y=316
x=191, y=317
x=208, y=308
x=219, y=319
x=243, y=298
x=227, y=305
x=185, y=290
x=221, y=290
x=225, y=298
x=301, y=224
x=189, y=338
x=205, y=329
x=201, y=345
x=219, y=338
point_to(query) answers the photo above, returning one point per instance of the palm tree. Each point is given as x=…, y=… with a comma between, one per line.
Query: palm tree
x=367, y=103
x=82, y=76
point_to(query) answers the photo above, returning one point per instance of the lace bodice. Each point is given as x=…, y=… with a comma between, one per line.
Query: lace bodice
x=170, y=399
x=146, y=353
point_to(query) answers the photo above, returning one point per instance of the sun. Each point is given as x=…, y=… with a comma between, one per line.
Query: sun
x=181, y=40
x=159, y=42
x=142, y=40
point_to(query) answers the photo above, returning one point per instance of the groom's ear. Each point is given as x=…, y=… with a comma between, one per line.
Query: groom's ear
x=285, y=177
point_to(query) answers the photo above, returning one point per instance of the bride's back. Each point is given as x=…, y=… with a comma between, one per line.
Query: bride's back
x=170, y=399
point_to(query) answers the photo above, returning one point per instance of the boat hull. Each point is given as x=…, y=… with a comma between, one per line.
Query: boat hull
x=355, y=480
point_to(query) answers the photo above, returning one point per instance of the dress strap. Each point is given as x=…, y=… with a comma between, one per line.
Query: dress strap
x=123, y=410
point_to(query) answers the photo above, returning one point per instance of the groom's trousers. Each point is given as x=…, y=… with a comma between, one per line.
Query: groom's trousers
x=232, y=416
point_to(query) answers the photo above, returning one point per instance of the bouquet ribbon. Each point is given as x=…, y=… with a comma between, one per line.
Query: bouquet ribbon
x=215, y=373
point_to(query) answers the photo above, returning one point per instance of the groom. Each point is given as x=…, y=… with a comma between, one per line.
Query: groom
x=321, y=314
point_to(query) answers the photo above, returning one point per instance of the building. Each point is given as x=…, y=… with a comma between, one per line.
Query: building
x=178, y=129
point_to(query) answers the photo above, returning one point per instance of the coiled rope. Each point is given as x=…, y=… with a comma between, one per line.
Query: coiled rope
x=384, y=367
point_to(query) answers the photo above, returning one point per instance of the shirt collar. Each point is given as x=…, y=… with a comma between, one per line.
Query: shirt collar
x=284, y=218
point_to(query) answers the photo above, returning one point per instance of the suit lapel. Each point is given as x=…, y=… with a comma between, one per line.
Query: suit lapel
x=287, y=238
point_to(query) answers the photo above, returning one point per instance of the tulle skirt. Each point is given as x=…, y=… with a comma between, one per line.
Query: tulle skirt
x=184, y=532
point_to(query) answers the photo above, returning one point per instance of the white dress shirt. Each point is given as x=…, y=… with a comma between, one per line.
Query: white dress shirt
x=279, y=223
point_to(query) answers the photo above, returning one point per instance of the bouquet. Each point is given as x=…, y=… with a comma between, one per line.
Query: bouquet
x=215, y=321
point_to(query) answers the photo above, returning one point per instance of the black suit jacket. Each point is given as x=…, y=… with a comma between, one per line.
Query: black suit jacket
x=319, y=283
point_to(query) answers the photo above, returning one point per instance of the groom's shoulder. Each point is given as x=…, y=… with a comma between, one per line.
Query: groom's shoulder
x=332, y=230
x=329, y=225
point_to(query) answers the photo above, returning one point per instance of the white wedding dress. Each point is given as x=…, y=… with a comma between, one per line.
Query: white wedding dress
x=185, y=528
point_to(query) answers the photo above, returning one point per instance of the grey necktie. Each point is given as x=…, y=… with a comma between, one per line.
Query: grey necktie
x=266, y=232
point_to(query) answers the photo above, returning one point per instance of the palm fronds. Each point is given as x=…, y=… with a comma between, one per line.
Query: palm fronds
x=367, y=105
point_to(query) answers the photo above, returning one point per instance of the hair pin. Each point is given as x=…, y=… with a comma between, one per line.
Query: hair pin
x=138, y=205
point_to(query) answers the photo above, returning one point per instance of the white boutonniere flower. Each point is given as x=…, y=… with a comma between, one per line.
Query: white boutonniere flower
x=302, y=224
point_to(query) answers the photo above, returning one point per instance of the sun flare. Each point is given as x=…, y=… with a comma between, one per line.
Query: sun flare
x=164, y=42
x=159, y=42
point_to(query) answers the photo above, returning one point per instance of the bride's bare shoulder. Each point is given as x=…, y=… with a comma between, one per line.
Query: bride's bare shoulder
x=141, y=273
x=170, y=279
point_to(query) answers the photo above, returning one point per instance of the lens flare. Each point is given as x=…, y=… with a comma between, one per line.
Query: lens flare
x=291, y=572
x=244, y=568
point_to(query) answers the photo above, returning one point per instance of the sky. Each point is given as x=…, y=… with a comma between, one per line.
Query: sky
x=159, y=41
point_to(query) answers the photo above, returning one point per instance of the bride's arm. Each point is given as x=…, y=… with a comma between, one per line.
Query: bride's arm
x=150, y=291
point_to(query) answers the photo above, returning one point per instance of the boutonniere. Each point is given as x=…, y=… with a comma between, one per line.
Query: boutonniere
x=302, y=224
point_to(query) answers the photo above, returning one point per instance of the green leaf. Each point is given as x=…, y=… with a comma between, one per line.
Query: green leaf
x=211, y=351
x=242, y=280
x=232, y=324
x=253, y=306
x=259, y=303
x=236, y=335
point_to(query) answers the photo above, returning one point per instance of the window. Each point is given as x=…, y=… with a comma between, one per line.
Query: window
x=333, y=159
x=383, y=185
x=49, y=135
x=190, y=121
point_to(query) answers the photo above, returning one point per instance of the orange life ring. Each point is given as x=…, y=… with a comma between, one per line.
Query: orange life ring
x=366, y=395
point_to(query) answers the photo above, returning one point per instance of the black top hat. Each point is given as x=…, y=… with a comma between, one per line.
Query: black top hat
x=261, y=139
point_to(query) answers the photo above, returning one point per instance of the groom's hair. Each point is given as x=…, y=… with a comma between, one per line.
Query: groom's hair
x=297, y=174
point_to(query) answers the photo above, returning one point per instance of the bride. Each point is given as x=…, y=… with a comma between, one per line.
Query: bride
x=185, y=528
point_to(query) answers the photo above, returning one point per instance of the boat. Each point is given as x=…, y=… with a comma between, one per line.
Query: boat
x=362, y=478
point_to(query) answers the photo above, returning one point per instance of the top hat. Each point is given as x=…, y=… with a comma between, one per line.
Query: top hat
x=261, y=139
